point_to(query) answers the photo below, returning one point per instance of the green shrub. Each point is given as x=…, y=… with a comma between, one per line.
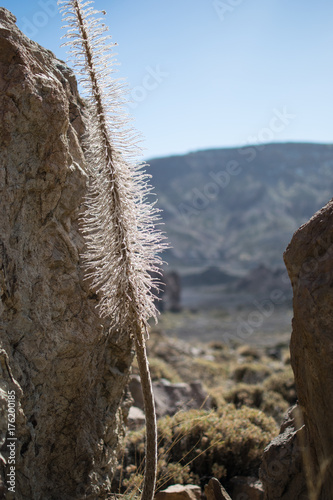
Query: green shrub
x=247, y=351
x=255, y=396
x=283, y=383
x=192, y=444
x=217, y=396
x=251, y=373
x=160, y=369
x=212, y=373
x=274, y=405
x=245, y=395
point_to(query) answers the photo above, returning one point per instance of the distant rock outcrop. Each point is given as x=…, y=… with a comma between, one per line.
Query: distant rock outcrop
x=262, y=281
x=171, y=298
x=58, y=369
x=211, y=276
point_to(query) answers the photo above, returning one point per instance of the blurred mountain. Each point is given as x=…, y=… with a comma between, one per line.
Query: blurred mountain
x=236, y=209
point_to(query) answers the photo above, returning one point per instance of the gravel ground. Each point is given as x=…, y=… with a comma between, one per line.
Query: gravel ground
x=211, y=314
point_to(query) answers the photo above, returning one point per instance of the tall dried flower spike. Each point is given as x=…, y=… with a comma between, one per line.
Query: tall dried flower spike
x=119, y=224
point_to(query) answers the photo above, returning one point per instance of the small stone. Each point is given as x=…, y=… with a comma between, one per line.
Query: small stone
x=136, y=418
x=179, y=492
x=215, y=491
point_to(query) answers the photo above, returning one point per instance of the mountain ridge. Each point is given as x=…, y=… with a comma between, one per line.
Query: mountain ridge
x=235, y=148
x=237, y=208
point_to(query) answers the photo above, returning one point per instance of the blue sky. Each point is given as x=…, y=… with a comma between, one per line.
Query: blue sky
x=214, y=73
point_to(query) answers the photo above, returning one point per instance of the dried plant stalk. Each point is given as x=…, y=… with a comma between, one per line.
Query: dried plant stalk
x=119, y=223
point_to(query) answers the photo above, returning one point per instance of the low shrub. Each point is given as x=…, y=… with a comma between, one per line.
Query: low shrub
x=274, y=405
x=255, y=396
x=249, y=352
x=198, y=443
x=283, y=383
x=160, y=369
x=251, y=373
x=245, y=395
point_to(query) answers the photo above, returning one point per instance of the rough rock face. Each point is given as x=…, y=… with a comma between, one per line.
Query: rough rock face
x=281, y=471
x=305, y=444
x=246, y=488
x=66, y=373
x=309, y=260
x=307, y=448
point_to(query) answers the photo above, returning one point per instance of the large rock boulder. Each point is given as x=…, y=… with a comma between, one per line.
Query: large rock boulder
x=59, y=368
x=304, y=447
x=309, y=260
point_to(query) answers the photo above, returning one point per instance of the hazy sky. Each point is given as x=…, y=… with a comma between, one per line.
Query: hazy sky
x=208, y=73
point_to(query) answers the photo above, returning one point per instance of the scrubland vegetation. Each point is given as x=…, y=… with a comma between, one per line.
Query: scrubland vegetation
x=249, y=390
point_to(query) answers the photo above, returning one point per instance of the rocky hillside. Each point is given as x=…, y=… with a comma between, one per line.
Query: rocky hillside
x=238, y=208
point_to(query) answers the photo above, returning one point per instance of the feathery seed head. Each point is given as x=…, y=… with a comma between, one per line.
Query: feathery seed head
x=119, y=222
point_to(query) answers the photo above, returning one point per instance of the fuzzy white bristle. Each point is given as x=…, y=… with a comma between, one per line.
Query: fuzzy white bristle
x=119, y=222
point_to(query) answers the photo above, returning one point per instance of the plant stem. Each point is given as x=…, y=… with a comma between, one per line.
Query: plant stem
x=150, y=413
